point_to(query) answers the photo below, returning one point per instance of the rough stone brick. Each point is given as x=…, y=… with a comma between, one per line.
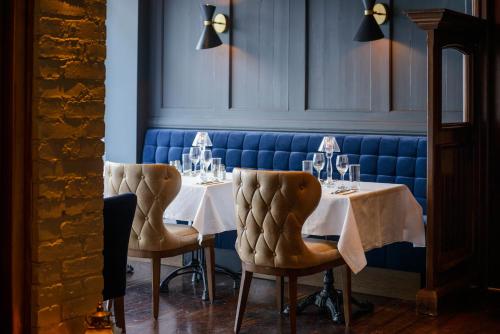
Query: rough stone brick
x=49, y=229
x=95, y=52
x=53, y=190
x=80, y=28
x=90, y=166
x=46, y=273
x=93, y=284
x=77, y=206
x=80, y=225
x=49, y=108
x=82, y=266
x=49, y=315
x=93, y=244
x=84, y=109
x=49, y=69
x=84, y=70
x=60, y=48
x=80, y=306
x=48, y=209
x=68, y=113
x=86, y=188
x=47, y=295
x=73, y=289
x=58, y=249
x=62, y=8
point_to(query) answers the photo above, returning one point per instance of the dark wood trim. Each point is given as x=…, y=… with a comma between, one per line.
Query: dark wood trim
x=457, y=171
x=493, y=229
x=16, y=168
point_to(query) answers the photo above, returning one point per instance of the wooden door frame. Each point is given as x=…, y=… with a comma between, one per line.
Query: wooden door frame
x=16, y=63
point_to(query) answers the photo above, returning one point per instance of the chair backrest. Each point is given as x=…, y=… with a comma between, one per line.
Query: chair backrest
x=271, y=207
x=156, y=186
x=118, y=217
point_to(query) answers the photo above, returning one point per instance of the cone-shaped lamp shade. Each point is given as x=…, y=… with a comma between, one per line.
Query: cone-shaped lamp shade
x=209, y=38
x=329, y=145
x=369, y=29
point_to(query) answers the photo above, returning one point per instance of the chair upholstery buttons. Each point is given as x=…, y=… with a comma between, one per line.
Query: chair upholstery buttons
x=138, y=238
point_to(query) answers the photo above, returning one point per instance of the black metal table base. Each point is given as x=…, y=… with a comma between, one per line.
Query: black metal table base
x=194, y=267
x=330, y=301
x=197, y=269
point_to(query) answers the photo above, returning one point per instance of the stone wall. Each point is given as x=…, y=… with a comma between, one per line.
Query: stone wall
x=68, y=124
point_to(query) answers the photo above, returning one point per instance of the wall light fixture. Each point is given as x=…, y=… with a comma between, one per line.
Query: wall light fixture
x=375, y=15
x=211, y=26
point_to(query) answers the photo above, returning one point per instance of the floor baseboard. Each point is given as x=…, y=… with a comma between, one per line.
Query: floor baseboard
x=372, y=281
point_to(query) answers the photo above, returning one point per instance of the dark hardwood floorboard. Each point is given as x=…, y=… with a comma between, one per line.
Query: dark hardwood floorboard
x=183, y=311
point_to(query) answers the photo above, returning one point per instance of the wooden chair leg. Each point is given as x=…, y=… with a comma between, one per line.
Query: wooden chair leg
x=292, y=300
x=280, y=293
x=119, y=310
x=246, y=280
x=346, y=293
x=210, y=261
x=156, y=261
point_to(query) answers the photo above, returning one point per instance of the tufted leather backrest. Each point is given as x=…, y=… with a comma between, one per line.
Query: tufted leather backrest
x=271, y=208
x=155, y=187
x=389, y=159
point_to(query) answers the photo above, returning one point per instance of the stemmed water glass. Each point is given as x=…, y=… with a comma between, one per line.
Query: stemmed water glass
x=319, y=163
x=206, y=157
x=342, y=165
x=195, y=154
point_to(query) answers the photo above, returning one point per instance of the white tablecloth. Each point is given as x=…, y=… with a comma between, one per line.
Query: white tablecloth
x=377, y=215
x=209, y=207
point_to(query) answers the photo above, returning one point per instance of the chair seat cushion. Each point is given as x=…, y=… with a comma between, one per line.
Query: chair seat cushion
x=185, y=235
x=321, y=251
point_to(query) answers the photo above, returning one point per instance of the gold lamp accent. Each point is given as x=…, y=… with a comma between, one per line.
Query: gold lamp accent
x=380, y=13
x=220, y=23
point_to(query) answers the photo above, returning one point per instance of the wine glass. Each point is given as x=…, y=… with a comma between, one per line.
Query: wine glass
x=206, y=157
x=195, y=154
x=342, y=165
x=319, y=163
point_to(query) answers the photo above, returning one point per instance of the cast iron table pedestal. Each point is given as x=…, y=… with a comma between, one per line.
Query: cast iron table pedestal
x=197, y=269
x=330, y=300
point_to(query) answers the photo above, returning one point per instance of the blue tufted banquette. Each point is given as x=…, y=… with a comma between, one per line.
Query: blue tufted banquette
x=390, y=159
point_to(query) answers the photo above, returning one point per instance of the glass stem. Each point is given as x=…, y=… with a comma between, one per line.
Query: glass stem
x=329, y=170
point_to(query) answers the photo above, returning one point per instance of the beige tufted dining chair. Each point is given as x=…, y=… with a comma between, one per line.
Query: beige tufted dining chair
x=271, y=207
x=156, y=186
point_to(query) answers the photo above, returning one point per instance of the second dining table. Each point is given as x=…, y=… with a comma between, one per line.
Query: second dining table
x=376, y=215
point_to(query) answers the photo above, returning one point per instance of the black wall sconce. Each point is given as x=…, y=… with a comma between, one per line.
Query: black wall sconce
x=375, y=15
x=219, y=24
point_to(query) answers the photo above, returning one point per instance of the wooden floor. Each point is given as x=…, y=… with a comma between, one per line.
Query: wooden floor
x=183, y=311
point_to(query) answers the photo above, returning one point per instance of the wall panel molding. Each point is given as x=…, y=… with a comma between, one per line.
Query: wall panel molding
x=285, y=65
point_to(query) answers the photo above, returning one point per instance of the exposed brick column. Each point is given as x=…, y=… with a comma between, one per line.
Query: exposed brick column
x=68, y=124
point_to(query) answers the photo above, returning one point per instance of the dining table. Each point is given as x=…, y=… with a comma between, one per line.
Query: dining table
x=375, y=215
